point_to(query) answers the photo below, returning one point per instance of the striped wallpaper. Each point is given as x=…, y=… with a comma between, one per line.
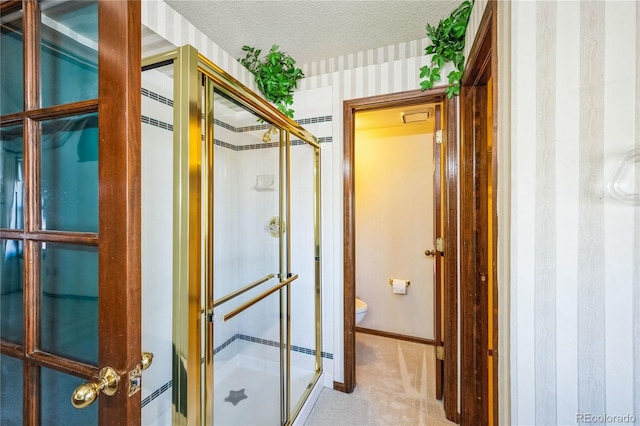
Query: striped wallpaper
x=376, y=56
x=162, y=20
x=575, y=250
x=475, y=18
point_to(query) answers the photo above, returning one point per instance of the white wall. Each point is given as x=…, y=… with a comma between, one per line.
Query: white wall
x=394, y=226
x=575, y=250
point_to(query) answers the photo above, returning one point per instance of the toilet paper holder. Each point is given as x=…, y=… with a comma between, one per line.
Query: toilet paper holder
x=391, y=282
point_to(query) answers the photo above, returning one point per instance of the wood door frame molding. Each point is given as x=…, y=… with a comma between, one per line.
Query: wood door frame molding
x=481, y=70
x=449, y=186
x=438, y=282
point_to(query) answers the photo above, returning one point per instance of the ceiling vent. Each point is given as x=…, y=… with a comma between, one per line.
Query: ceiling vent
x=415, y=116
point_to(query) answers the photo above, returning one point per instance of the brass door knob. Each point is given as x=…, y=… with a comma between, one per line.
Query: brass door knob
x=86, y=393
x=430, y=253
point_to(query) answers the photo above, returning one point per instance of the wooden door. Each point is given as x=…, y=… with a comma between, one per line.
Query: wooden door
x=70, y=210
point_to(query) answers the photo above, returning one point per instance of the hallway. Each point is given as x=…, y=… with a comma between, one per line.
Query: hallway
x=395, y=386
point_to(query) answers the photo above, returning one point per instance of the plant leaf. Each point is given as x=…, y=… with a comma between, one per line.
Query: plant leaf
x=447, y=44
x=276, y=75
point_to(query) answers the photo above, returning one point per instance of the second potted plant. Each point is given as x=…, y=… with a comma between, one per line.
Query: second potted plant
x=276, y=75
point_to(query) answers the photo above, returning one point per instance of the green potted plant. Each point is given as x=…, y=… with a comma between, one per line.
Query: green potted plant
x=447, y=44
x=276, y=75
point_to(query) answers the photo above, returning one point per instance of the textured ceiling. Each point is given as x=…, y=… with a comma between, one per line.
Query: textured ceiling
x=312, y=30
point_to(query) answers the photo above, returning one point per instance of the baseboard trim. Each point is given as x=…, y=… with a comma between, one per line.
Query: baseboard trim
x=455, y=418
x=339, y=387
x=396, y=336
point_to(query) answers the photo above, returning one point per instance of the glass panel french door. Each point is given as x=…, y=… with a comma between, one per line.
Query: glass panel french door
x=68, y=272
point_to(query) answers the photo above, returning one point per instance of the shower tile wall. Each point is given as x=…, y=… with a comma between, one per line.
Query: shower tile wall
x=255, y=252
x=250, y=252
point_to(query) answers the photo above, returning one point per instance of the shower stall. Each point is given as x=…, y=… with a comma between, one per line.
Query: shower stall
x=242, y=199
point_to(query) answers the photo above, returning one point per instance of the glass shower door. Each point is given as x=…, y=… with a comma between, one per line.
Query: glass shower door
x=304, y=337
x=157, y=241
x=247, y=361
x=259, y=367
x=247, y=381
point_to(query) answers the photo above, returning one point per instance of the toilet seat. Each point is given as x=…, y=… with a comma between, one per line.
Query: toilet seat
x=361, y=306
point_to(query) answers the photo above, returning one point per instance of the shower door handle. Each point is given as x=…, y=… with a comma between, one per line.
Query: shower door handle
x=255, y=300
x=244, y=289
x=430, y=253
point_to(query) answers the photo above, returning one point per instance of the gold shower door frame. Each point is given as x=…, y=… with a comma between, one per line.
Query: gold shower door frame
x=192, y=391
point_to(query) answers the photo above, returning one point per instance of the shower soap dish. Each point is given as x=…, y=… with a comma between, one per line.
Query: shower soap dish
x=265, y=182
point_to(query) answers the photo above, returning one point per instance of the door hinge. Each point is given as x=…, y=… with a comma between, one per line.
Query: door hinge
x=438, y=136
x=440, y=244
x=440, y=353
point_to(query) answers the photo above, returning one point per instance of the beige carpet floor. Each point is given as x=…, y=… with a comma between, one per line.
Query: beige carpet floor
x=395, y=386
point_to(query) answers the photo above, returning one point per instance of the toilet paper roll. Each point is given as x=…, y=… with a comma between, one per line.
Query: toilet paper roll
x=399, y=286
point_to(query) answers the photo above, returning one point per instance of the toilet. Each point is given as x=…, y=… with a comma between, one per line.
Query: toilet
x=361, y=310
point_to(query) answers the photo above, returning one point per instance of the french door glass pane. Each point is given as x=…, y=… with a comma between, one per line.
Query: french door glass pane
x=69, y=54
x=12, y=183
x=11, y=290
x=69, y=321
x=10, y=391
x=69, y=173
x=11, y=63
x=55, y=393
